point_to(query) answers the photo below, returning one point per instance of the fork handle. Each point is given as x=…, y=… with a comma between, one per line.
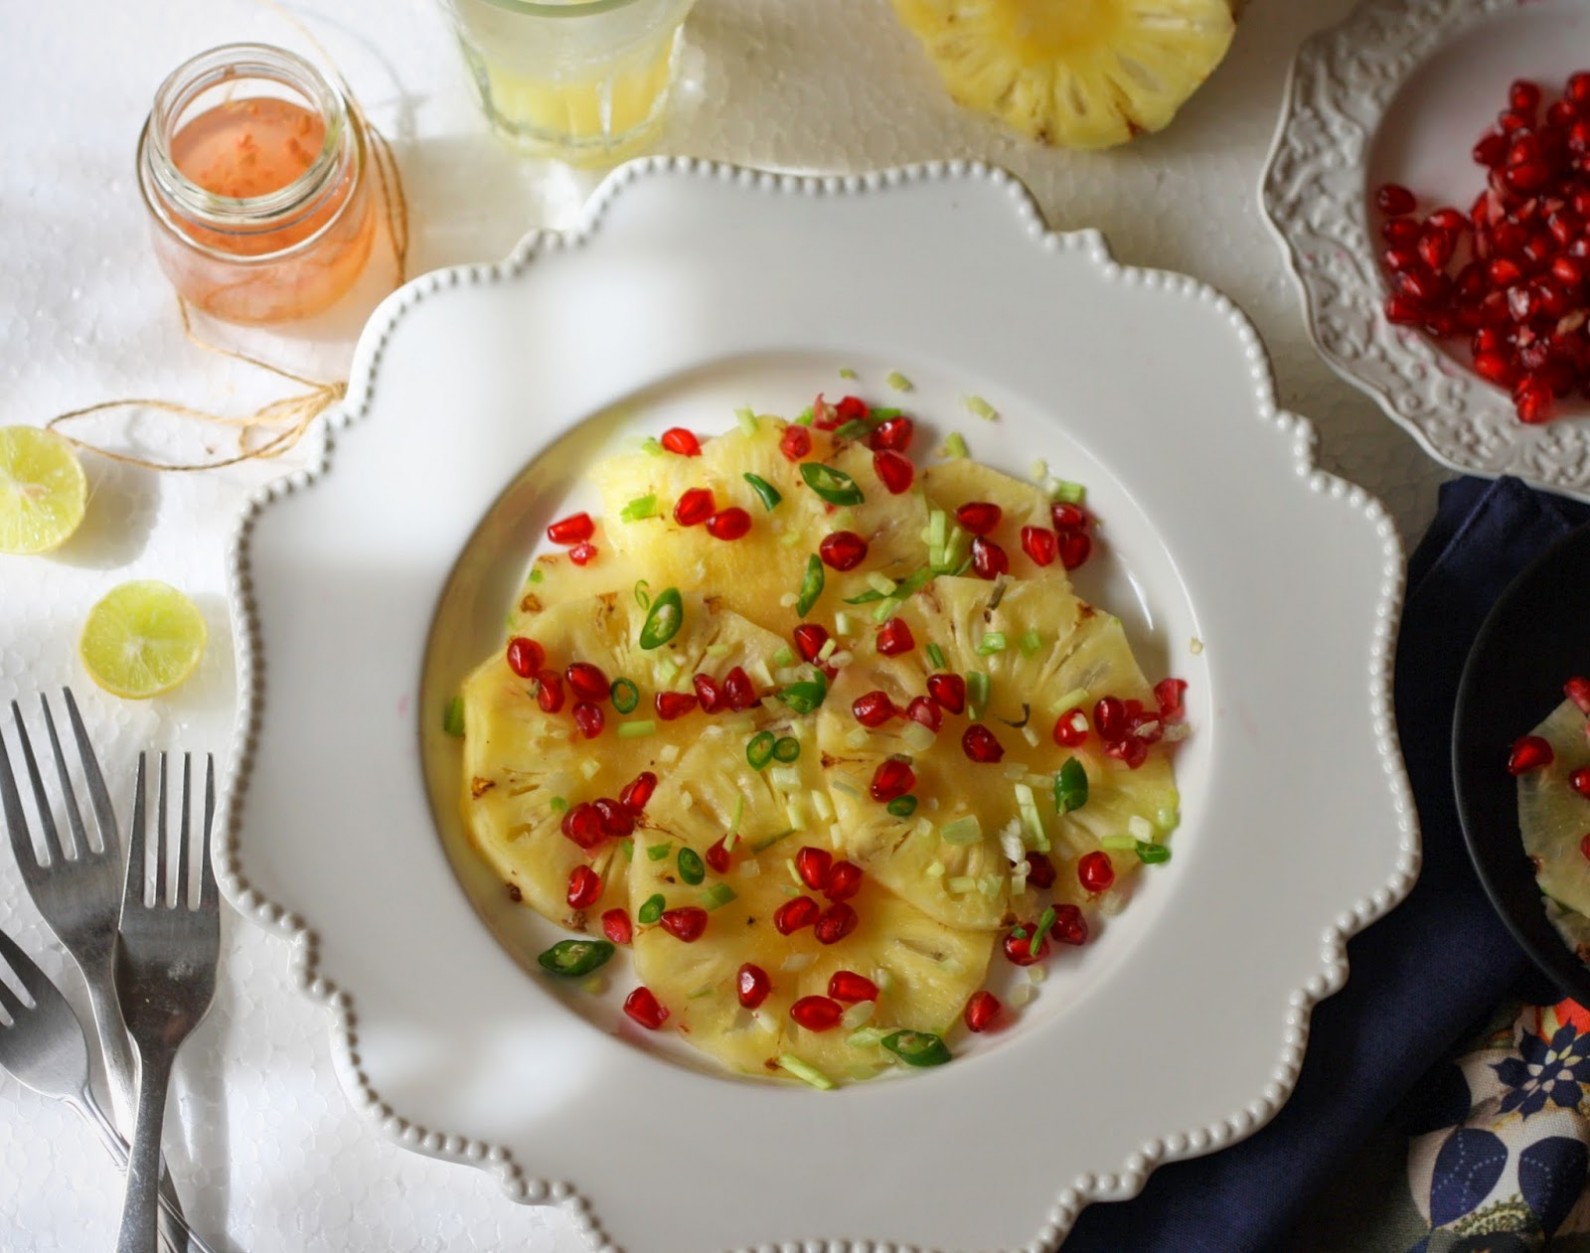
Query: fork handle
x=140, y=1211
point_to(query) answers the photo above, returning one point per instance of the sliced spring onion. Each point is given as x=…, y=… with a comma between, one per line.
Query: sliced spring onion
x=1071, y=493
x=865, y=598
x=651, y=447
x=954, y=445
x=897, y=381
x=979, y=406
x=834, y=486
x=656, y=852
x=1119, y=843
x=787, y=749
x=917, y=1048
x=992, y=642
x=625, y=696
x=643, y=593
x=760, y=750
x=902, y=806
x=806, y=696
x=574, y=959
x=1070, y=787
x=962, y=831
x=784, y=657
x=784, y=778
x=663, y=620
x=536, y=576
x=976, y=693
x=1140, y=828
x=936, y=656
x=733, y=835
x=558, y=805
x=866, y=1038
x=806, y=1072
x=845, y=372
x=1045, y=921
x=691, y=868
x=746, y=417
x=651, y=910
x=811, y=585
x=829, y=648
x=769, y=495
x=637, y=730
x=854, y=429
x=717, y=896
x=886, y=609
x=767, y=842
x=1152, y=854
x=639, y=508
x=453, y=716
x=1029, y=643
x=881, y=583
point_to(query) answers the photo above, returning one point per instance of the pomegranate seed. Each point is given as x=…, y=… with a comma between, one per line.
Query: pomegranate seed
x=585, y=888
x=842, y=550
x=1578, y=89
x=795, y=443
x=1040, y=544
x=1490, y=150
x=1075, y=548
x=979, y=517
x=1070, y=926
x=1023, y=948
x=738, y=690
x=729, y=524
x=893, y=435
x=1040, y=871
x=717, y=858
x=1403, y=310
x=694, y=507
x=1068, y=517
x=1132, y=750
x=852, y=409
x=847, y=985
x=752, y=985
x=1168, y=696
x=1400, y=232
x=1511, y=121
x=549, y=691
x=844, y=881
x=587, y=681
x=979, y=744
x=894, y=471
x=677, y=439
x=617, y=818
x=1095, y=871
x=589, y=719
x=837, y=921
x=671, y=705
x=892, y=778
x=1448, y=221
x=923, y=710
x=809, y=640
x=873, y=709
x=813, y=865
x=687, y=923
x=949, y=690
x=1530, y=752
x=583, y=825
x=894, y=638
x=525, y=656
x=816, y=1013
x=644, y=1008
x=1435, y=249
x=583, y=554
x=1071, y=728
x=1532, y=399
x=1147, y=727
x=825, y=417
x=638, y=792
x=989, y=560
x=574, y=529
x=793, y=915
x=1423, y=285
x=617, y=927
x=1494, y=368
x=1579, y=781
x=1577, y=689
x=1395, y=200
x=1524, y=96
x=982, y=1011
x=1527, y=176
x=708, y=693
x=1109, y=719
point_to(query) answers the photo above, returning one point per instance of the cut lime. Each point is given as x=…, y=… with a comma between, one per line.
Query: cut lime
x=42, y=490
x=142, y=639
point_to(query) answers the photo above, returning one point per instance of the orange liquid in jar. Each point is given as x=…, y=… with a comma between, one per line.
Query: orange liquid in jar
x=247, y=148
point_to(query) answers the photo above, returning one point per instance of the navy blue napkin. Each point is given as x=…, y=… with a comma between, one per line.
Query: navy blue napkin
x=1421, y=976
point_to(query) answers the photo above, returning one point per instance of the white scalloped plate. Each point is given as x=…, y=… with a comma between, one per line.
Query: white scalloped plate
x=691, y=288
x=1400, y=92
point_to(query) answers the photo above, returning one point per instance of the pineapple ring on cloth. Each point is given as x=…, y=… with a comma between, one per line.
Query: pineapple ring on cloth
x=955, y=854
x=761, y=574
x=925, y=972
x=1551, y=818
x=1076, y=73
x=526, y=768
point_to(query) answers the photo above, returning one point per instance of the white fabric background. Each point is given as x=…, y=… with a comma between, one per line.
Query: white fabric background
x=270, y=1154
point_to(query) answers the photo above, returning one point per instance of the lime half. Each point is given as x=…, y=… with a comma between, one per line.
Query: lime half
x=42, y=490
x=142, y=639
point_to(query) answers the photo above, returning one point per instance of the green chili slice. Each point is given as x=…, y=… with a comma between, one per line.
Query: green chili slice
x=1070, y=787
x=1152, y=854
x=834, y=486
x=625, y=696
x=787, y=749
x=805, y=697
x=866, y=598
x=573, y=959
x=854, y=429
x=917, y=1048
x=663, y=620
x=902, y=806
x=453, y=716
x=717, y=896
x=652, y=910
x=656, y=852
x=760, y=750
x=643, y=593
x=770, y=495
x=811, y=585
x=691, y=869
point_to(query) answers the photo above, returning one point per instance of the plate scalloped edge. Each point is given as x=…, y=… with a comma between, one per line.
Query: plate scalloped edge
x=496, y=1159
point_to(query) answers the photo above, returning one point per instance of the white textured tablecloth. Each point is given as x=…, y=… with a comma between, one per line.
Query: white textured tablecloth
x=266, y=1147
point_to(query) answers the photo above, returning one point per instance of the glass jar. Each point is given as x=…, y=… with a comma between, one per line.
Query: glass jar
x=254, y=172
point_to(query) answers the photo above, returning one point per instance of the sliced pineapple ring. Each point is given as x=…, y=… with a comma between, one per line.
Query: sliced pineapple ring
x=1554, y=818
x=952, y=857
x=524, y=767
x=926, y=971
x=555, y=579
x=1080, y=74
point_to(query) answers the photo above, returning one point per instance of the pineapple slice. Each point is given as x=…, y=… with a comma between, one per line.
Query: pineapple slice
x=554, y=579
x=926, y=971
x=523, y=767
x=1058, y=652
x=1077, y=73
x=951, y=484
x=760, y=575
x=1554, y=818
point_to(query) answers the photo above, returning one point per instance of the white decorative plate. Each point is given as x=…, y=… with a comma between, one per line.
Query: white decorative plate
x=690, y=290
x=1399, y=93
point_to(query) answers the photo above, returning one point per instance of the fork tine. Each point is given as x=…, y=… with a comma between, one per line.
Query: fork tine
x=11, y=1002
x=209, y=896
x=183, y=896
x=133, y=891
x=162, y=886
x=74, y=817
x=16, y=820
x=36, y=982
x=52, y=841
x=98, y=793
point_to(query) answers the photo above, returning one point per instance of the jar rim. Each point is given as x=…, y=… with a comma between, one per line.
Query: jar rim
x=241, y=61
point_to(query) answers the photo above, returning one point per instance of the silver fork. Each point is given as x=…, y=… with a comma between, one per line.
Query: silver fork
x=78, y=889
x=44, y=1047
x=165, y=979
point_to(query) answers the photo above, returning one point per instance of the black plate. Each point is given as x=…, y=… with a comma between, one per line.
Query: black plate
x=1536, y=636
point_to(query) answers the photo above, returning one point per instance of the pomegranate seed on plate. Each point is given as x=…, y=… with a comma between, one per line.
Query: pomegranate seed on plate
x=1523, y=96
x=847, y=985
x=1435, y=249
x=1530, y=752
x=708, y=693
x=678, y=440
x=589, y=719
x=816, y=1013
x=1071, y=728
x=1577, y=689
x=893, y=435
x=1132, y=750
x=892, y=778
x=638, y=791
x=1040, y=871
x=852, y=409
x=813, y=866
x=1579, y=781
x=793, y=915
x=525, y=656
x=617, y=927
x=1532, y=399
x=583, y=554
x=842, y=550
x=1168, y=696
x=795, y=443
x=949, y=690
x=894, y=637
x=574, y=529
x=1403, y=310
x=587, y=681
x=1070, y=926
x=873, y=709
x=549, y=691
x=617, y=819
x=922, y=709
x=894, y=471
x=642, y=1005
x=825, y=417
x=752, y=985
x=1401, y=257
x=671, y=705
x=809, y=640
x=694, y=506
x=738, y=690
x=583, y=825
x=585, y=888
x=836, y=922
x=979, y=517
x=1023, y=948
x=729, y=524
x=1490, y=150
x=1040, y=544
x=982, y=1011
x=717, y=858
x=1075, y=548
x=1095, y=871
x=980, y=744
x=844, y=881
x=1401, y=232
x=1395, y=200
x=686, y=923
x=989, y=560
